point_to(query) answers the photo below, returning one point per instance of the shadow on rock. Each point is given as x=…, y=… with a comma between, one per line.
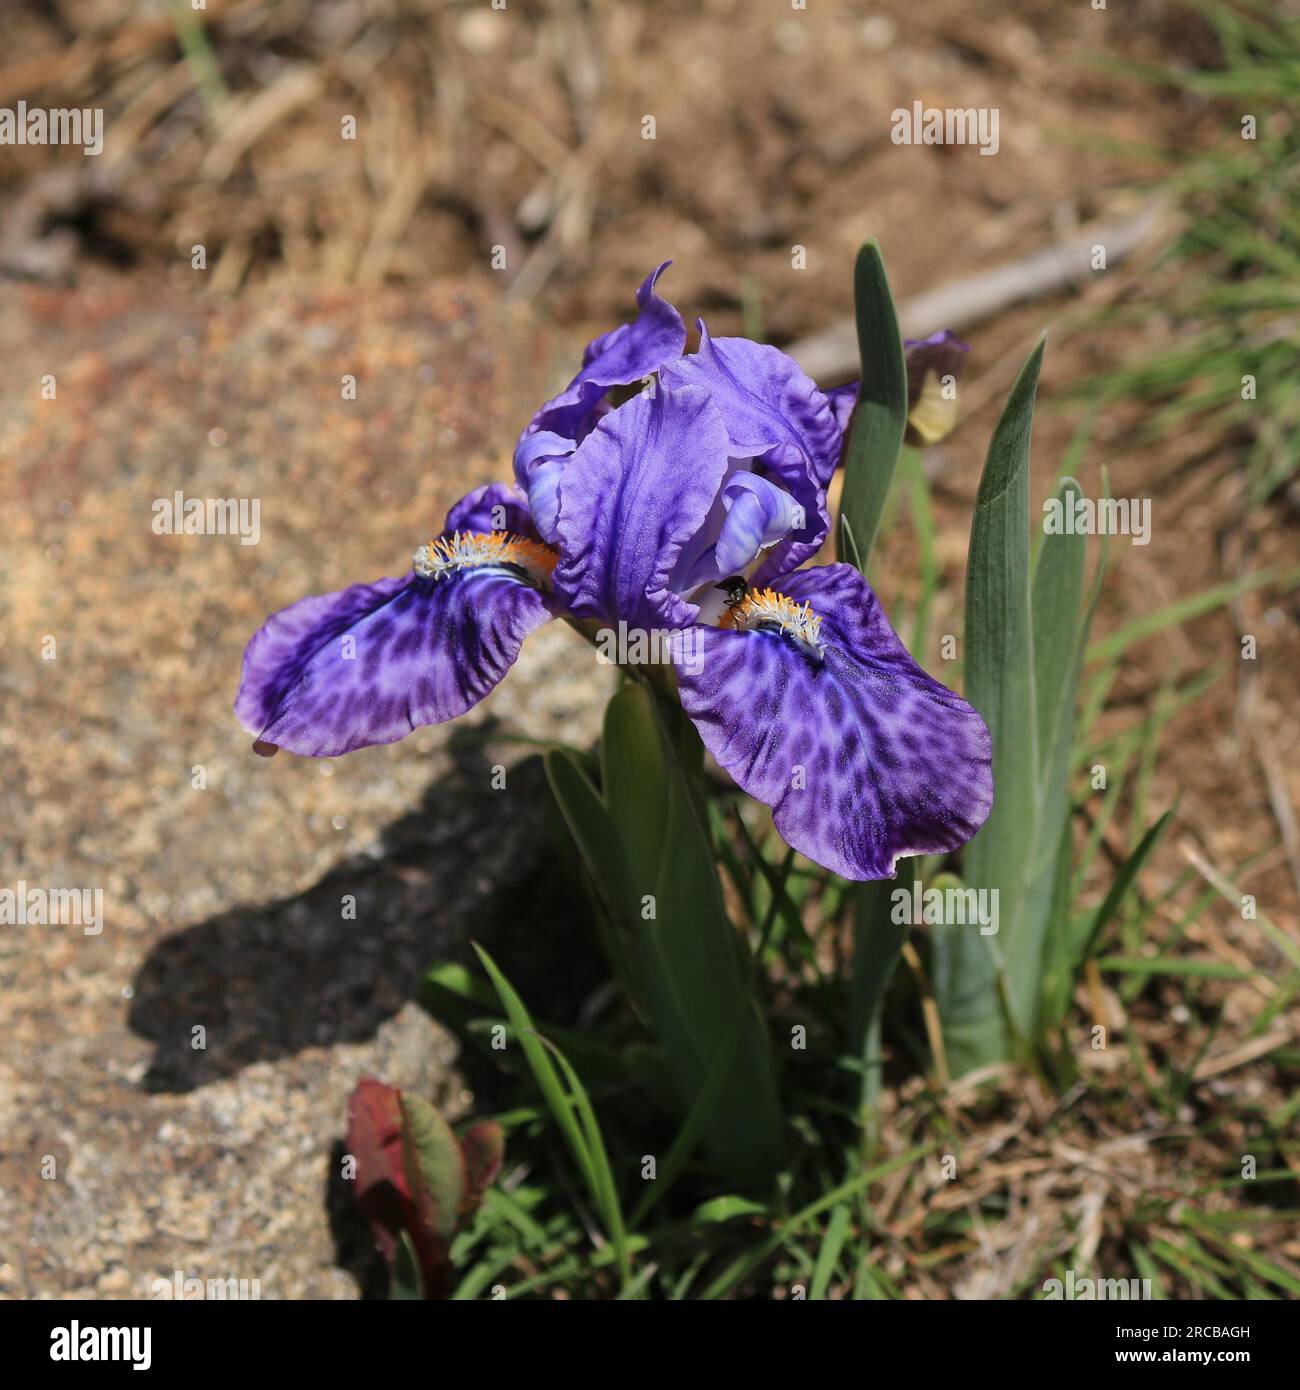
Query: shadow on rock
x=265, y=982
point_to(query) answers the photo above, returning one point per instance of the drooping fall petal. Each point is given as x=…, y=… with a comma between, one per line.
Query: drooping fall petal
x=814, y=706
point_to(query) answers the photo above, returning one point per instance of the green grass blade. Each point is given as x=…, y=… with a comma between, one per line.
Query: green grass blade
x=880, y=417
x=606, y=1190
x=745, y=1264
x=1124, y=880
x=837, y=1229
x=1183, y=610
x=571, y=1110
x=1060, y=631
x=877, y=944
x=1000, y=684
x=1172, y=965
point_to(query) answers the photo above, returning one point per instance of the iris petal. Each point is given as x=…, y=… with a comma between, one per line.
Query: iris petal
x=368, y=664
x=842, y=401
x=758, y=515
x=621, y=357
x=941, y=354
x=862, y=756
x=544, y=497
x=493, y=507
x=775, y=414
x=638, y=489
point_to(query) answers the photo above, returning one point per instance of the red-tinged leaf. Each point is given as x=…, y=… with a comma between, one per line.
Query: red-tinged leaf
x=484, y=1148
x=374, y=1140
x=411, y=1176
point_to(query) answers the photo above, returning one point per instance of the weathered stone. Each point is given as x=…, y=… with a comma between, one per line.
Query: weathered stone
x=223, y=905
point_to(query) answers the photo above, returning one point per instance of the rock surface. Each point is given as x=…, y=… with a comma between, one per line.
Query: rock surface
x=127, y=1151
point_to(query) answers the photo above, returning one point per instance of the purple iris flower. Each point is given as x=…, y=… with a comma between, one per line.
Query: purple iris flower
x=685, y=510
x=933, y=365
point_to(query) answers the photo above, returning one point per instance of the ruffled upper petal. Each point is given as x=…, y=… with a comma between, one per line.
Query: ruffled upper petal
x=638, y=489
x=368, y=664
x=821, y=713
x=631, y=351
x=625, y=355
x=842, y=401
x=776, y=415
x=765, y=397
